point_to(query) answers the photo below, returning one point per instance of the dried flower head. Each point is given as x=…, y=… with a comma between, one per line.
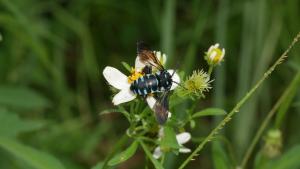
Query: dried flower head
x=195, y=85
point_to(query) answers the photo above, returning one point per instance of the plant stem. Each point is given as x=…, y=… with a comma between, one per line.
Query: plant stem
x=211, y=67
x=266, y=122
x=240, y=103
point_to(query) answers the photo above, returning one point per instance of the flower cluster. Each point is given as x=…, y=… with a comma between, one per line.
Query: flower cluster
x=194, y=86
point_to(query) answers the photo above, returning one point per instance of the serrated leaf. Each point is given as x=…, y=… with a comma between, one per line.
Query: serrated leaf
x=209, y=112
x=125, y=155
x=169, y=141
x=34, y=158
x=11, y=124
x=20, y=97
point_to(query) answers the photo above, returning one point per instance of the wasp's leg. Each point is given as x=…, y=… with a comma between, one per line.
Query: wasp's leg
x=147, y=69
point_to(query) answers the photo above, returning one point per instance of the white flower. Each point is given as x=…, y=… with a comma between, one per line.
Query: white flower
x=181, y=138
x=214, y=55
x=122, y=82
x=161, y=57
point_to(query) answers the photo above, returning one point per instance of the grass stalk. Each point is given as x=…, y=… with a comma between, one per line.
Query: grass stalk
x=167, y=33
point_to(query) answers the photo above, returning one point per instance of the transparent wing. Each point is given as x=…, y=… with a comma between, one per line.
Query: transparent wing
x=161, y=108
x=147, y=56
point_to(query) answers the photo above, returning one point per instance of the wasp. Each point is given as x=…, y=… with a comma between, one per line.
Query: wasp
x=158, y=83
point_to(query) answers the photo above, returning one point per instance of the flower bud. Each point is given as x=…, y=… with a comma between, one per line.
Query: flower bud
x=273, y=143
x=214, y=55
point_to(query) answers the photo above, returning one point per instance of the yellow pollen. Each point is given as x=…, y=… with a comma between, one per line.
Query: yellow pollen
x=134, y=75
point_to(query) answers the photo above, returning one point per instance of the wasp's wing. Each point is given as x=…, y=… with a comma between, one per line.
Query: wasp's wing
x=147, y=56
x=161, y=108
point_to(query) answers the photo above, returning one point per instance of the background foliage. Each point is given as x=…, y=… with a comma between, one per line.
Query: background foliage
x=52, y=54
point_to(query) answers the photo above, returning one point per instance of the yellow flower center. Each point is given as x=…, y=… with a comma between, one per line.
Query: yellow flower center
x=134, y=75
x=218, y=56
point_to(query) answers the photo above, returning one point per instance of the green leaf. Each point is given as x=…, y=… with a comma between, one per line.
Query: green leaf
x=20, y=97
x=99, y=165
x=108, y=111
x=34, y=158
x=11, y=124
x=289, y=160
x=125, y=155
x=169, y=141
x=126, y=65
x=156, y=164
x=209, y=112
x=220, y=159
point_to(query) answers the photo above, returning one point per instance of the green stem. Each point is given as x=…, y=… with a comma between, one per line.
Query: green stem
x=266, y=121
x=239, y=104
x=211, y=67
x=156, y=164
x=162, y=159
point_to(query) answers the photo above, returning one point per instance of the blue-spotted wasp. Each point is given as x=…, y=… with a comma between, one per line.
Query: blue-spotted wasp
x=154, y=83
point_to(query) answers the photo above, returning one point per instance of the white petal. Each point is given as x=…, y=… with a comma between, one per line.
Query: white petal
x=183, y=137
x=169, y=114
x=151, y=101
x=123, y=96
x=161, y=57
x=157, y=54
x=184, y=150
x=213, y=55
x=157, y=153
x=139, y=65
x=216, y=45
x=164, y=59
x=223, y=54
x=175, y=78
x=115, y=78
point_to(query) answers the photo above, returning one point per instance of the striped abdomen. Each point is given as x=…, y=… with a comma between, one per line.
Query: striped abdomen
x=151, y=83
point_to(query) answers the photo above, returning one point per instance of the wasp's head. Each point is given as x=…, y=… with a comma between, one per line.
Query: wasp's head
x=165, y=79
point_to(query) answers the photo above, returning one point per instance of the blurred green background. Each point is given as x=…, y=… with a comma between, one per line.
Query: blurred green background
x=52, y=54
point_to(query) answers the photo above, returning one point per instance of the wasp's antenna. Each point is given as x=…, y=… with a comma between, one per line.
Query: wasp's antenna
x=179, y=85
x=173, y=73
x=177, y=82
